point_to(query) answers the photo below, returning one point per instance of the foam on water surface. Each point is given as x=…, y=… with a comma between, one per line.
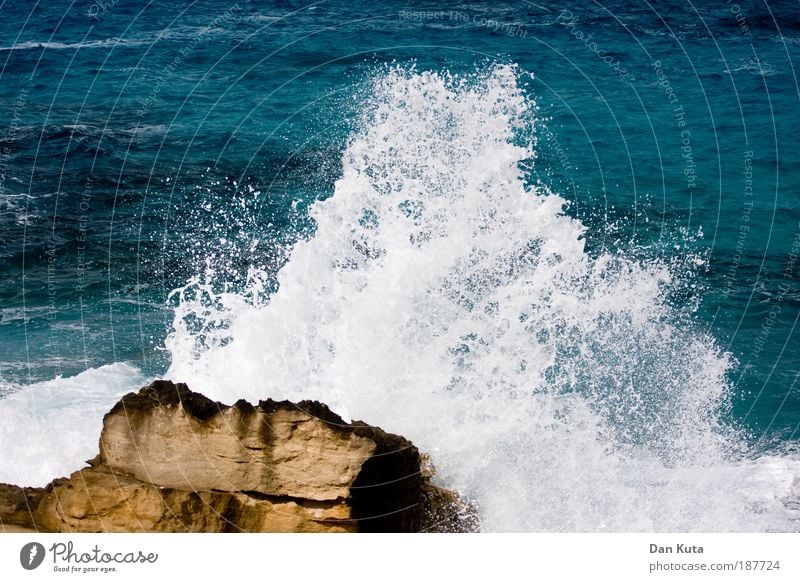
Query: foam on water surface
x=444, y=300
x=50, y=428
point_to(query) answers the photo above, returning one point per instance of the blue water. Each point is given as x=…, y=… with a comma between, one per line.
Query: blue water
x=146, y=144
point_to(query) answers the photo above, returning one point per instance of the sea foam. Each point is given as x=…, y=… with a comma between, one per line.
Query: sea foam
x=443, y=299
x=48, y=429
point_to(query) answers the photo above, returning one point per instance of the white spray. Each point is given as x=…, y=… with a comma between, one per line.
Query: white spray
x=443, y=300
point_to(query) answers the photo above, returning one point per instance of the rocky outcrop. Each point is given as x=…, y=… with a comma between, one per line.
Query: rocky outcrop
x=102, y=500
x=17, y=505
x=173, y=460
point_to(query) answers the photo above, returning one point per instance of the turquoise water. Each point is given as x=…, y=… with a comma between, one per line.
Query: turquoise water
x=144, y=146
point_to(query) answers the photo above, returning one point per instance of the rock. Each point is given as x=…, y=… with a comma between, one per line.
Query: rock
x=445, y=512
x=170, y=436
x=173, y=460
x=101, y=500
x=17, y=504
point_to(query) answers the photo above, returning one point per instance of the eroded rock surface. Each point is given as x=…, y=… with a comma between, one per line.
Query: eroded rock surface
x=173, y=460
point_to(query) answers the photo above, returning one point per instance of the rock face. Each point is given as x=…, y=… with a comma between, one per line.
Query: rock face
x=277, y=448
x=173, y=460
x=101, y=500
x=17, y=505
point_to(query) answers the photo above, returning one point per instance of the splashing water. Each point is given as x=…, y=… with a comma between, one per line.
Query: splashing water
x=443, y=300
x=48, y=429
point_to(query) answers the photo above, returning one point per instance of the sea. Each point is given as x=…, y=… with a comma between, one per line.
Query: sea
x=553, y=244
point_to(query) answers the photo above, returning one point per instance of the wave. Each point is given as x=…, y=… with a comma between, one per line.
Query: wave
x=444, y=299
x=54, y=45
x=48, y=429
x=174, y=34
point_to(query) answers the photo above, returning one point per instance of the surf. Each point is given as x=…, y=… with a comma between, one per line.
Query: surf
x=444, y=297
x=49, y=429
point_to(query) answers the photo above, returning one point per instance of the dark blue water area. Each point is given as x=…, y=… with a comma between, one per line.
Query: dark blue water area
x=147, y=143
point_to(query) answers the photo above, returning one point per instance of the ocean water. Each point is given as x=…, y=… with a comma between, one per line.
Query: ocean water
x=553, y=245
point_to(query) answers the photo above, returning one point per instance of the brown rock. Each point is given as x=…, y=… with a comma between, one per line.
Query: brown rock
x=445, y=512
x=100, y=500
x=172, y=460
x=17, y=504
x=172, y=437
